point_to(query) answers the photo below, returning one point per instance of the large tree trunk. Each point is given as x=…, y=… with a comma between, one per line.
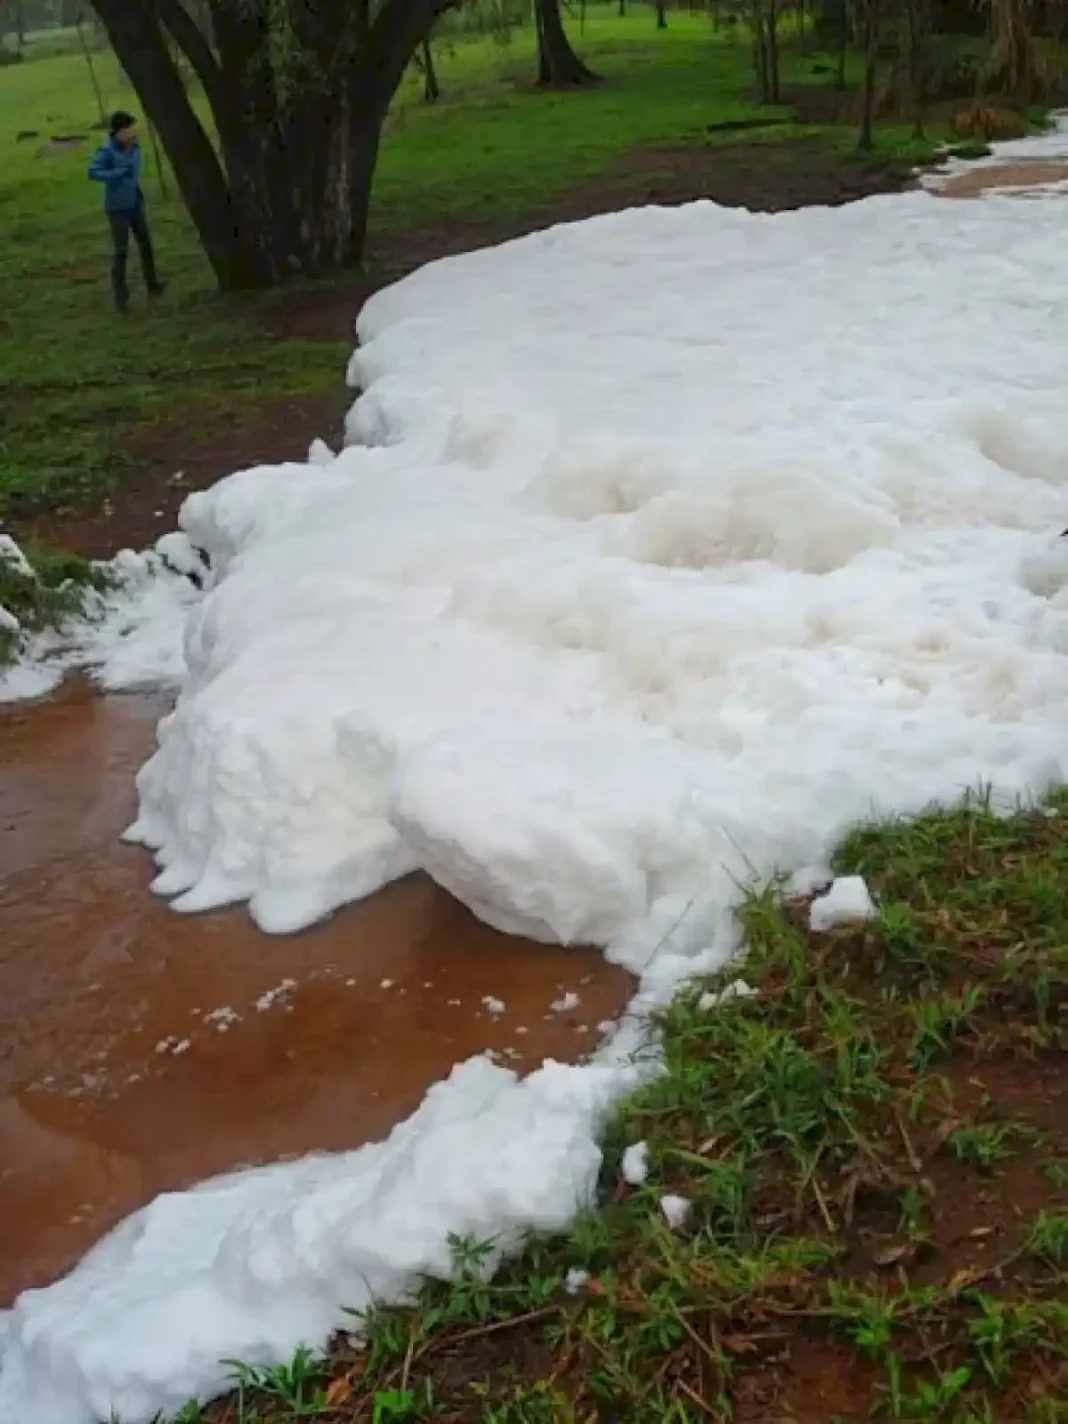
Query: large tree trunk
x=298, y=144
x=140, y=47
x=559, y=67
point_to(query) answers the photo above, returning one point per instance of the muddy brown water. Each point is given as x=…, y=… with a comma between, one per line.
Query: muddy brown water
x=141, y=1051
x=1026, y=178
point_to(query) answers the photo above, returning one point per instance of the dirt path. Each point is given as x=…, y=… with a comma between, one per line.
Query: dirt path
x=765, y=177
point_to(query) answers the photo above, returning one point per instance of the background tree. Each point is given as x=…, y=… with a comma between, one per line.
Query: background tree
x=764, y=21
x=868, y=31
x=843, y=30
x=1016, y=66
x=917, y=24
x=559, y=67
x=424, y=63
x=13, y=25
x=298, y=92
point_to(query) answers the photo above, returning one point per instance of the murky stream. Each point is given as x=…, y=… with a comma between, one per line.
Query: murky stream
x=1022, y=178
x=141, y=1051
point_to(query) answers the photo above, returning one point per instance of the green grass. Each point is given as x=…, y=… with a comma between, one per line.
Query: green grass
x=83, y=393
x=873, y=1147
x=43, y=590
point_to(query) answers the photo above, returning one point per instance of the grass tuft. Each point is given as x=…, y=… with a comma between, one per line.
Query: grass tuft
x=41, y=589
x=873, y=1148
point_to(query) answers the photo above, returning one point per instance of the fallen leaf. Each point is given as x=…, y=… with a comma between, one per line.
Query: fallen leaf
x=893, y=1253
x=960, y=1280
x=338, y=1392
x=739, y=1344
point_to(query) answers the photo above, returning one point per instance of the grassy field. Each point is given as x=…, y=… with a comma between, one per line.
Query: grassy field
x=856, y=1204
x=79, y=388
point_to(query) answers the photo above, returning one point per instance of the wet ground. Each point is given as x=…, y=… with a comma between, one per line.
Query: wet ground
x=141, y=1051
x=1028, y=178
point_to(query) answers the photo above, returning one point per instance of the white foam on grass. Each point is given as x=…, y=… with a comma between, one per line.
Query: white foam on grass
x=688, y=538
x=847, y=901
x=298, y=1239
x=635, y=1163
x=676, y=1210
x=131, y=636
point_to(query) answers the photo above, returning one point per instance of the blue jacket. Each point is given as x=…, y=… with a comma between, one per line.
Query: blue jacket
x=119, y=169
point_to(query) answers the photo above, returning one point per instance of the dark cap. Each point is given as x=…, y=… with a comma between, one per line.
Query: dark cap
x=120, y=120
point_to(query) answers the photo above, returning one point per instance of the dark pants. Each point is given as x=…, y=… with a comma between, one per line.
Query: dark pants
x=122, y=225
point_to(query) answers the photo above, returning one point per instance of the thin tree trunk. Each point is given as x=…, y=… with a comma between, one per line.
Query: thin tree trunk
x=431, y=87
x=661, y=15
x=917, y=20
x=771, y=23
x=161, y=167
x=559, y=67
x=92, y=71
x=843, y=44
x=760, y=50
x=869, y=36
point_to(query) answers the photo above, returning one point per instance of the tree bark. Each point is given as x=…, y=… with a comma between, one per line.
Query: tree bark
x=843, y=44
x=761, y=58
x=918, y=22
x=432, y=90
x=298, y=138
x=661, y=15
x=771, y=24
x=559, y=67
x=869, y=41
x=141, y=49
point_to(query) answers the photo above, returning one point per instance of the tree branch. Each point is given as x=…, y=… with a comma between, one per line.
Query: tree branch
x=194, y=44
x=395, y=34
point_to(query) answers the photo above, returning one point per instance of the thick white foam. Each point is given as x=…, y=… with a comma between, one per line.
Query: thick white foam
x=688, y=538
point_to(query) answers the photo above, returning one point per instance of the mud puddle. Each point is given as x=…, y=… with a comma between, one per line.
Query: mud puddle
x=1028, y=178
x=141, y=1051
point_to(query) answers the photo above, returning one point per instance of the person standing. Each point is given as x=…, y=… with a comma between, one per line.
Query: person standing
x=117, y=164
